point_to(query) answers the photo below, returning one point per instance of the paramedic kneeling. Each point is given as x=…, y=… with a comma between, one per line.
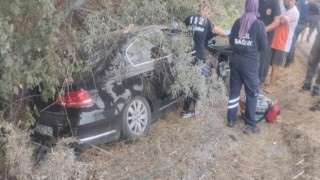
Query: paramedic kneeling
x=248, y=38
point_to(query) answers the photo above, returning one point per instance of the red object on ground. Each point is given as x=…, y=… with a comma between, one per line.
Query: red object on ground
x=273, y=112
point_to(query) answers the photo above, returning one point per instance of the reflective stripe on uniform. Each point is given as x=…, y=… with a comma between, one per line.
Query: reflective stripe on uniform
x=233, y=106
x=234, y=100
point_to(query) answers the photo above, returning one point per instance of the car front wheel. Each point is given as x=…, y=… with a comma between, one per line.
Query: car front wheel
x=136, y=118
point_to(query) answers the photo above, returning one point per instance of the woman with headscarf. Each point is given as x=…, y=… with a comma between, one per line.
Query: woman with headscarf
x=248, y=38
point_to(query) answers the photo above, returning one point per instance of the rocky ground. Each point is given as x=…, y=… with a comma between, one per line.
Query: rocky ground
x=204, y=148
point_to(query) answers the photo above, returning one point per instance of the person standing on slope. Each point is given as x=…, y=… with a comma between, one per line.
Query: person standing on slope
x=247, y=38
x=268, y=10
x=284, y=26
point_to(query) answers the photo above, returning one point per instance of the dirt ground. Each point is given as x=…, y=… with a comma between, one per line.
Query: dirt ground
x=205, y=148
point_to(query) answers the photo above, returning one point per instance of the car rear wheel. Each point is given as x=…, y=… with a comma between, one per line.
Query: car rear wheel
x=136, y=118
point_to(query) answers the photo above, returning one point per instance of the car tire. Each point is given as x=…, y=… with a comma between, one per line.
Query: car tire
x=136, y=118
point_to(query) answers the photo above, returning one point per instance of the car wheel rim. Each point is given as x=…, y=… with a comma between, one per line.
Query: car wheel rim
x=137, y=117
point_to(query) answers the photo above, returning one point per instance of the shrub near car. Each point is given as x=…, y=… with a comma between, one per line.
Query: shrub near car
x=122, y=94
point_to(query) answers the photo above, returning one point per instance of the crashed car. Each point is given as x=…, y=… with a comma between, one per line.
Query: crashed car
x=122, y=95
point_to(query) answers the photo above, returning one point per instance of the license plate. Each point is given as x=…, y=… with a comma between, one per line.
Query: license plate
x=46, y=130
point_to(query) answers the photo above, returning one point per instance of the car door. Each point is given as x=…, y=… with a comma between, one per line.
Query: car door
x=150, y=63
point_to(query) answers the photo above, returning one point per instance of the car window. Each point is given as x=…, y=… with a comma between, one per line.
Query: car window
x=139, y=51
x=170, y=41
x=147, y=48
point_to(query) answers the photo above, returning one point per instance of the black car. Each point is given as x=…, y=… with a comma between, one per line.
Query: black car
x=121, y=96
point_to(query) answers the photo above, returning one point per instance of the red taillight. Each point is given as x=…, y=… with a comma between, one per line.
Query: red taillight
x=75, y=99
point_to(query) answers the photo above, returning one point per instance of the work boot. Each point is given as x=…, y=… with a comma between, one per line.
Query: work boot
x=315, y=93
x=187, y=114
x=315, y=107
x=231, y=124
x=251, y=130
x=305, y=87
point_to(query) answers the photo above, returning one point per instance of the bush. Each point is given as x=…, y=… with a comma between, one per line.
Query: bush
x=38, y=44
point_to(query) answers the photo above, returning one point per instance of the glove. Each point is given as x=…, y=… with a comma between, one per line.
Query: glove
x=227, y=32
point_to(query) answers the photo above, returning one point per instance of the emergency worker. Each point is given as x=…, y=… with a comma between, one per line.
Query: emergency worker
x=248, y=37
x=201, y=29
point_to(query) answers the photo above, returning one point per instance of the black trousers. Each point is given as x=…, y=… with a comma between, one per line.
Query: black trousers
x=206, y=72
x=243, y=74
x=313, y=63
x=290, y=55
x=189, y=101
x=264, y=62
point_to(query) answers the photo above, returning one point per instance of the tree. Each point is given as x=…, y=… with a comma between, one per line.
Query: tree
x=39, y=40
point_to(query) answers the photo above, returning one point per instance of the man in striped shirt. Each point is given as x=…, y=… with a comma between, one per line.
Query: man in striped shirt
x=284, y=25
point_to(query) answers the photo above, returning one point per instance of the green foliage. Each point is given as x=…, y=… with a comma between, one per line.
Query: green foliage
x=211, y=91
x=39, y=39
x=33, y=37
x=28, y=118
x=144, y=12
x=38, y=44
x=225, y=12
x=180, y=9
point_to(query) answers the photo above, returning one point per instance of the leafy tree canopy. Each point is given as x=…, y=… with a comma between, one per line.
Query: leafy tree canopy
x=39, y=38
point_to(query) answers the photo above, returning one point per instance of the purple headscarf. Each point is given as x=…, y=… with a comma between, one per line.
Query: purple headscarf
x=249, y=16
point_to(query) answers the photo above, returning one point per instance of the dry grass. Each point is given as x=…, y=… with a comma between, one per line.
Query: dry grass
x=58, y=164
x=18, y=152
x=191, y=149
x=61, y=163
